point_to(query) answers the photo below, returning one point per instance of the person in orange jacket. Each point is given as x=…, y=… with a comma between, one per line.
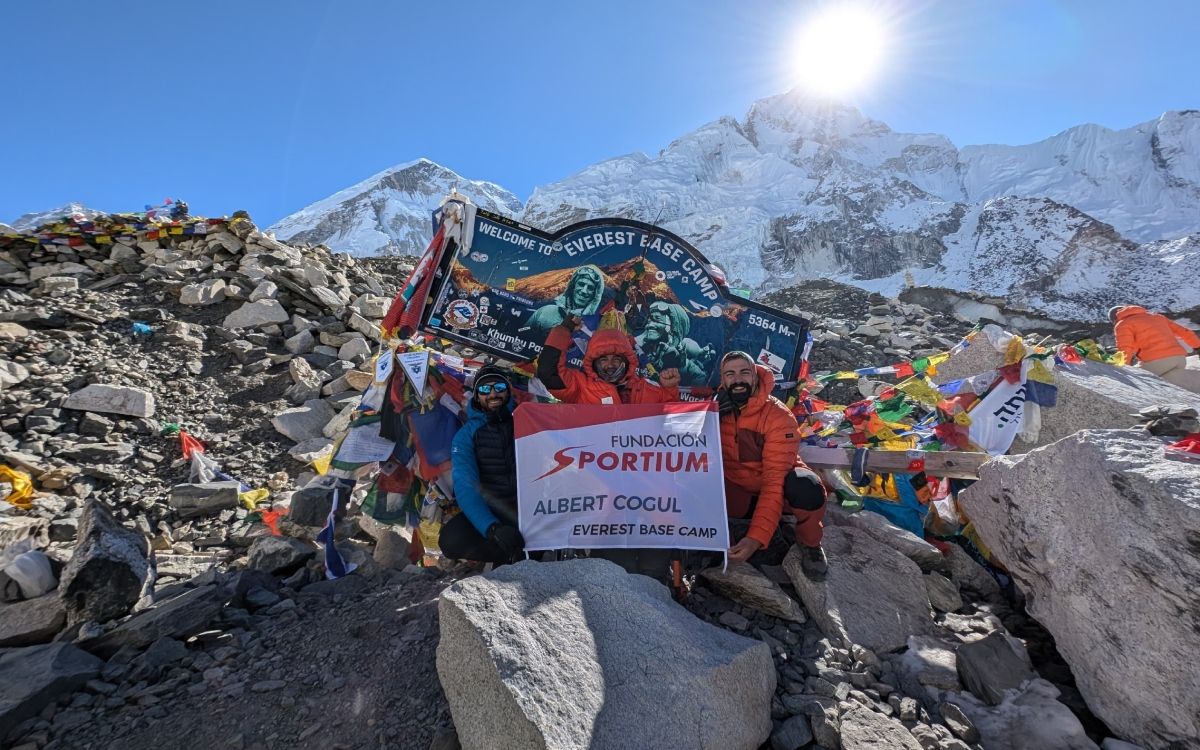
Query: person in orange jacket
x=764, y=474
x=1160, y=344
x=609, y=374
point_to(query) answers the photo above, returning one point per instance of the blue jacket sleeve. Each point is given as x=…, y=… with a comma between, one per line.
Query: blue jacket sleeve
x=465, y=472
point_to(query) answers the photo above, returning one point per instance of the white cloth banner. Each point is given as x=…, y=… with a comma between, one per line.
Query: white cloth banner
x=996, y=419
x=621, y=476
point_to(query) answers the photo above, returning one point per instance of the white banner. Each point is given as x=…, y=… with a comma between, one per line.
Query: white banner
x=997, y=418
x=621, y=476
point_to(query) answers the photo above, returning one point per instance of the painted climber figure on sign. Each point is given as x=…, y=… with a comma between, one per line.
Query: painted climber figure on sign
x=583, y=296
x=665, y=344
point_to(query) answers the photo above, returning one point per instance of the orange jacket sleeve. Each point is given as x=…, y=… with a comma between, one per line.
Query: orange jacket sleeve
x=657, y=394
x=780, y=448
x=1187, y=335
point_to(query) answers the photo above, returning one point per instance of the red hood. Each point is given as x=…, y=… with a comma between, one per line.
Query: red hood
x=1129, y=311
x=609, y=341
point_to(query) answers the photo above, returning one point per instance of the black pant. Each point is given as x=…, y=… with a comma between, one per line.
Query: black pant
x=460, y=540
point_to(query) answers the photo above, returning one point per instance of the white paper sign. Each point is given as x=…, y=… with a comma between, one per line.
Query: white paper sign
x=364, y=445
x=621, y=476
x=997, y=418
x=416, y=366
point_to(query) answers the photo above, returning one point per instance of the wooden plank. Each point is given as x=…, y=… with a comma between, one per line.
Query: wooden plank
x=954, y=464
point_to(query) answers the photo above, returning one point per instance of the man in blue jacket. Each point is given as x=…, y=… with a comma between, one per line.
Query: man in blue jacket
x=484, y=464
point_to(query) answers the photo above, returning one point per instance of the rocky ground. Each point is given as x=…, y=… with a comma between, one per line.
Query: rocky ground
x=260, y=350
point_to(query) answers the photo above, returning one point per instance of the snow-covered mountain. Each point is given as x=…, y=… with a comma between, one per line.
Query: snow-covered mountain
x=389, y=212
x=35, y=219
x=803, y=187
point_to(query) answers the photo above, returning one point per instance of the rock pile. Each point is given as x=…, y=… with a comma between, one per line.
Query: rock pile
x=106, y=350
x=1107, y=555
x=144, y=596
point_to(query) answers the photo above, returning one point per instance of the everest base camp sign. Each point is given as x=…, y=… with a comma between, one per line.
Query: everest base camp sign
x=507, y=285
x=604, y=477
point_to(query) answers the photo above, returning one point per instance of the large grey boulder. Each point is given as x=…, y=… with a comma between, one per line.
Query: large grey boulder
x=32, y=678
x=203, y=293
x=12, y=373
x=903, y=541
x=864, y=729
x=993, y=665
x=1091, y=395
x=204, y=499
x=581, y=654
x=746, y=585
x=1026, y=719
x=264, y=312
x=108, y=571
x=32, y=621
x=279, y=555
x=1102, y=533
x=178, y=617
x=873, y=595
x=304, y=422
x=112, y=399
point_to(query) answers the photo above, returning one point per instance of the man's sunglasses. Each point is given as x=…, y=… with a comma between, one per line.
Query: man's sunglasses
x=487, y=388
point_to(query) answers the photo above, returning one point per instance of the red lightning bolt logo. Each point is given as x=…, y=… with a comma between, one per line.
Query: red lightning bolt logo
x=563, y=461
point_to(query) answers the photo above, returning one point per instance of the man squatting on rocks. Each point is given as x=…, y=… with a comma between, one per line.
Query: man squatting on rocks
x=1159, y=343
x=764, y=474
x=609, y=376
x=484, y=469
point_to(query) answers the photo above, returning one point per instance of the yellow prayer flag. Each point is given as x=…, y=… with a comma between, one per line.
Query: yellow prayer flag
x=1015, y=351
x=1039, y=372
x=252, y=498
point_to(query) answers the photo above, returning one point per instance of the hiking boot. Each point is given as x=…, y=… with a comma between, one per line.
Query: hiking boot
x=812, y=562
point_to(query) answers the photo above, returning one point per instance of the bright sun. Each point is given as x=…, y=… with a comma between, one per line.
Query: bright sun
x=839, y=50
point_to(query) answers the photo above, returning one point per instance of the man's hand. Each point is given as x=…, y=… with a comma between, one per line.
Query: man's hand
x=742, y=551
x=725, y=404
x=669, y=378
x=507, y=538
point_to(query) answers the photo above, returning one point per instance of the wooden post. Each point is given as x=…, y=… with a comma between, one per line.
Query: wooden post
x=954, y=464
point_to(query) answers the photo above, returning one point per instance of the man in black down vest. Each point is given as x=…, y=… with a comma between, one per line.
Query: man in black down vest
x=485, y=477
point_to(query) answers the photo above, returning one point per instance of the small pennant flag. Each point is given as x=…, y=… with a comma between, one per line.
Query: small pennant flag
x=416, y=366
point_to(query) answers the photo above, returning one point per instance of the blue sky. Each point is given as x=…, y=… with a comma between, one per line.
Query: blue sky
x=269, y=106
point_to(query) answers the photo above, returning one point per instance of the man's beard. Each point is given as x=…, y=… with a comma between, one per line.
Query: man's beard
x=739, y=393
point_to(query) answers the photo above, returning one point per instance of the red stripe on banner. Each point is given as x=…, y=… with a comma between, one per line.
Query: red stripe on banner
x=530, y=419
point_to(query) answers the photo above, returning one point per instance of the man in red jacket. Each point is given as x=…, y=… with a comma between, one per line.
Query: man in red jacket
x=609, y=374
x=764, y=475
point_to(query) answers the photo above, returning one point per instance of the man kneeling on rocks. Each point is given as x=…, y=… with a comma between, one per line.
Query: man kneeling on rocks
x=484, y=466
x=764, y=475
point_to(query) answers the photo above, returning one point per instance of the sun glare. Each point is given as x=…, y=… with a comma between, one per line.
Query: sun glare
x=840, y=49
